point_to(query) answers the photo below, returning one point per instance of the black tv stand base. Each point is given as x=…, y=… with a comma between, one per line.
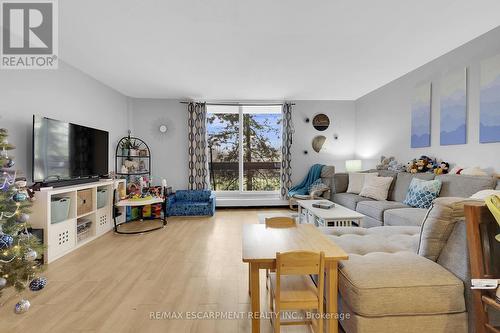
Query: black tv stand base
x=70, y=182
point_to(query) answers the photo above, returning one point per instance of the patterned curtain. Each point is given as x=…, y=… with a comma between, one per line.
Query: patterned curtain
x=286, y=154
x=198, y=161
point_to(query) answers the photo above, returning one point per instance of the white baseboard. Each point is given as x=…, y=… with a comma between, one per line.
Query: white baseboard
x=250, y=202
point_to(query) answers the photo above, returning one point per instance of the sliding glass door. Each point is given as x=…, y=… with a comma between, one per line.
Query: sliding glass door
x=244, y=148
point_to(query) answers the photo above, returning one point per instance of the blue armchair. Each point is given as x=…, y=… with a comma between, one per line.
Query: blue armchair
x=191, y=203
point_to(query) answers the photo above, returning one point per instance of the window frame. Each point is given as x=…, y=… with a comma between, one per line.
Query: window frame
x=241, y=191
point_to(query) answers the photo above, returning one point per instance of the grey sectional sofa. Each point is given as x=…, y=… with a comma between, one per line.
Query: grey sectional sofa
x=392, y=212
x=407, y=278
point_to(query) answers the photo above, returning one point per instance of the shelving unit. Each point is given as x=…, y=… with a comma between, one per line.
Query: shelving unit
x=65, y=236
x=121, y=158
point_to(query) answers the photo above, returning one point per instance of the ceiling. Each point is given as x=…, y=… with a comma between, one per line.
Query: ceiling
x=262, y=49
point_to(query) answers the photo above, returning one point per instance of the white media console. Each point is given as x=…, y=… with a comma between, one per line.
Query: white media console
x=84, y=220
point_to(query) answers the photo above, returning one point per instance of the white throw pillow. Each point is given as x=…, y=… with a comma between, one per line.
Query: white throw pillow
x=376, y=187
x=356, y=181
x=481, y=195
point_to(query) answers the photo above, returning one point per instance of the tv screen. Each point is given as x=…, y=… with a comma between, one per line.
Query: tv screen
x=65, y=151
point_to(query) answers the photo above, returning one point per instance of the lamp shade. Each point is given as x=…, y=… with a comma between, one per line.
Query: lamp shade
x=353, y=165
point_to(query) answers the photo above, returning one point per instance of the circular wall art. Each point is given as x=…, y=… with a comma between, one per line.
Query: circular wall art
x=321, y=122
x=318, y=143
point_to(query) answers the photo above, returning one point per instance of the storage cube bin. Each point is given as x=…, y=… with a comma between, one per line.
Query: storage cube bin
x=59, y=209
x=84, y=203
x=102, y=197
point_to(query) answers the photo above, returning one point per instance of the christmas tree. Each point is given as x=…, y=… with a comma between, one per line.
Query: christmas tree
x=19, y=249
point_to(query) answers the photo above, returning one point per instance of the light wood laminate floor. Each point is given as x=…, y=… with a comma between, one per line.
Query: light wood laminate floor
x=113, y=283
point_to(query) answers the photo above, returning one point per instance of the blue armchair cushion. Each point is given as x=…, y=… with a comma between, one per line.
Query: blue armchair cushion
x=195, y=195
x=191, y=203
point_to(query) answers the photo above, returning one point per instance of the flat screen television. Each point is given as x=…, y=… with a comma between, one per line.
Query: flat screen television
x=65, y=153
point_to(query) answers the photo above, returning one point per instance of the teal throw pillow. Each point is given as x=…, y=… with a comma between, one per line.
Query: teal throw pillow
x=421, y=193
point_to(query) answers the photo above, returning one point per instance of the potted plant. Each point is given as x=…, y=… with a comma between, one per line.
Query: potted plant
x=125, y=146
x=134, y=148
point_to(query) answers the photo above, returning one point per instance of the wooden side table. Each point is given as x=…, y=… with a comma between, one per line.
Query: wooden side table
x=484, y=252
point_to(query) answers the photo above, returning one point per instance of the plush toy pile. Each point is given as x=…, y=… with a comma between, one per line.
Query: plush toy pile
x=427, y=164
x=390, y=163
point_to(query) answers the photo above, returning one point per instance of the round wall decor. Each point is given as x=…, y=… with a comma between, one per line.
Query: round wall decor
x=318, y=143
x=321, y=122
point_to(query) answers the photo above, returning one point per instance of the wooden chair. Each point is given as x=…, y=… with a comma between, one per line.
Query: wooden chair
x=275, y=222
x=484, y=253
x=293, y=289
x=280, y=222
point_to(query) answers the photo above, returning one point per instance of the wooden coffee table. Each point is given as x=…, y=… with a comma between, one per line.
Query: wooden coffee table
x=260, y=245
x=338, y=216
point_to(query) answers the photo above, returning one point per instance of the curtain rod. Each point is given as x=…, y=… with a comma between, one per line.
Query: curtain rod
x=240, y=104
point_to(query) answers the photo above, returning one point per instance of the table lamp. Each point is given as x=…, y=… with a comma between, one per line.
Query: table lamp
x=353, y=165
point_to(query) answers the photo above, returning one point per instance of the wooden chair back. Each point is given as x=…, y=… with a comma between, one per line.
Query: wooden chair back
x=300, y=263
x=484, y=253
x=280, y=222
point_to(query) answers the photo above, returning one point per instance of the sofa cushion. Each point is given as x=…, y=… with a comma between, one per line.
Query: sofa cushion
x=402, y=184
x=376, y=187
x=402, y=283
x=375, y=209
x=422, y=192
x=348, y=200
x=404, y=216
x=438, y=225
x=370, y=222
x=340, y=182
x=464, y=186
x=193, y=195
x=357, y=180
x=361, y=241
x=444, y=323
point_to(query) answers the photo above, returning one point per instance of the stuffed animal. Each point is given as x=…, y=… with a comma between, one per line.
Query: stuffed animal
x=384, y=162
x=442, y=168
x=423, y=164
x=411, y=166
x=395, y=166
x=132, y=166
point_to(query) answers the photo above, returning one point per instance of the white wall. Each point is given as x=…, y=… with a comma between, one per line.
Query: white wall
x=383, y=116
x=169, y=151
x=66, y=94
x=342, y=123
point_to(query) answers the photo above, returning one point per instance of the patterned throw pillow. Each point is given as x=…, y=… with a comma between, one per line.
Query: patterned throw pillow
x=318, y=185
x=422, y=192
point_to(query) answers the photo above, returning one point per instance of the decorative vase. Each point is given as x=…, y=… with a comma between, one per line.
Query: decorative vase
x=125, y=151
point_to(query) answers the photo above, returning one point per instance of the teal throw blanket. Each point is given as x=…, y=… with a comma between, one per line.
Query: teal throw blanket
x=303, y=188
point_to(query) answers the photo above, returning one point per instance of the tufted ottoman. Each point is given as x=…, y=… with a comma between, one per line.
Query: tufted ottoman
x=386, y=286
